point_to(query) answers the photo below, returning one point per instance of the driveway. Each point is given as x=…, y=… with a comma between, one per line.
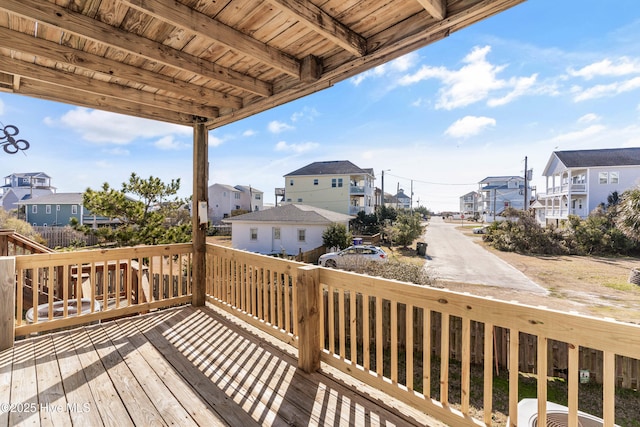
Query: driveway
x=454, y=256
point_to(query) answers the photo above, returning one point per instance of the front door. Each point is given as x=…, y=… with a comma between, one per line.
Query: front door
x=276, y=242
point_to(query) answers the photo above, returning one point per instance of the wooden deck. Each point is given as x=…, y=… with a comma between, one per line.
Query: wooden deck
x=183, y=366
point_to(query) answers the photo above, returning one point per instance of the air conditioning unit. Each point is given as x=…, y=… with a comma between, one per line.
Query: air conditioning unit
x=557, y=415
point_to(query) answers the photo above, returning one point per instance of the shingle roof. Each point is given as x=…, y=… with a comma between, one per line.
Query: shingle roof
x=57, y=198
x=601, y=157
x=294, y=213
x=334, y=167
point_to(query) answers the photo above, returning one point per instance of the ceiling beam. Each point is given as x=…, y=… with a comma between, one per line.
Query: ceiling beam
x=72, y=81
x=81, y=25
x=51, y=92
x=28, y=44
x=436, y=8
x=175, y=13
x=324, y=24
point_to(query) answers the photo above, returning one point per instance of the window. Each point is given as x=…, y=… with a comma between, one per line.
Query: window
x=47, y=209
x=254, y=233
x=276, y=233
x=236, y=196
x=334, y=183
x=315, y=181
x=302, y=235
x=34, y=209
x=290, y=182
x=613, y=177
x=58, y=208
x=603, y=177
x=257, y=196
x=74, y=209
x=299, y=200
x=339, y=182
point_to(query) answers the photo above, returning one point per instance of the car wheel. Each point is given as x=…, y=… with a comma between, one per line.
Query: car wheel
x=330, y=263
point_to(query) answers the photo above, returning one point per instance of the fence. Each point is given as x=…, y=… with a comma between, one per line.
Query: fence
x=62, y=237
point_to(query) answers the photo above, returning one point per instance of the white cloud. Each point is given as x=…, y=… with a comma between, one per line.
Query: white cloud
x=249, y=132
x=103, y=127
x=117, y=151
x=2, y=108
x=521, y=86
x=277, y=127
x=622, y=67
x=470, y=84
x=579, y=135
x=602, y=91
x=469, y=126
x=296, y=148
x=588, y=118
x=169, y=143
x=306, y=113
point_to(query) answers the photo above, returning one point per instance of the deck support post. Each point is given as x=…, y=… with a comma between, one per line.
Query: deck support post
x=309, y=346
x=7, y=302
x=199, y=219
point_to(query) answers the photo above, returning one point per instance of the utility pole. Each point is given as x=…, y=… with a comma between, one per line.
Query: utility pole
x=411, y=196
x=525, y=205
x=382, y=198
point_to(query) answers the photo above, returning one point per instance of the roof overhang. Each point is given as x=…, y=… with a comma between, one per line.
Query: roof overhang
x=187, y=61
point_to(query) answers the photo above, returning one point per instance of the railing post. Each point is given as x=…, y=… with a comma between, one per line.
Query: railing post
x=199, y=220
x=7, y=301
x=308, y=288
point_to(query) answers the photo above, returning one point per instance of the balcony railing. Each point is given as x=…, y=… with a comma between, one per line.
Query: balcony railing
x=356, y=189
x=565, y=188
x=401, y=338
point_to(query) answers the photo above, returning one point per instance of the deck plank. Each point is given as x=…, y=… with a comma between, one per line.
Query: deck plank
x=159, y=393
x=77, y=391
x=51, y=397
x=182, y=366
x=24, y=388
x=138, y=405
x=108, y=404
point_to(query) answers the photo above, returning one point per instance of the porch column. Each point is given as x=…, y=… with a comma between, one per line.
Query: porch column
x=7, y=301
x=309, y=344
x=199, y=217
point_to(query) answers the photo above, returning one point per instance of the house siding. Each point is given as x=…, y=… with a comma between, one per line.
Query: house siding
x=264, y=244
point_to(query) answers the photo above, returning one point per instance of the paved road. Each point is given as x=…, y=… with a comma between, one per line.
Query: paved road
x=454, y=256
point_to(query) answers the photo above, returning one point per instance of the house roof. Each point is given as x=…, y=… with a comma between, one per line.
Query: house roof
x=293, y=213
x=211, y=62
x=500, y=178
x=55, y=199
x=334, y=167
x=247, y=189
x=226, y=187
x=603, y=157
x=28, y=174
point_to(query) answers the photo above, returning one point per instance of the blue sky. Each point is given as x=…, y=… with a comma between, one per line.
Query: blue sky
x=546, y=75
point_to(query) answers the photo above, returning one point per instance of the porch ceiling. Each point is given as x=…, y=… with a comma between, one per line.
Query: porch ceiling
x=182, y=61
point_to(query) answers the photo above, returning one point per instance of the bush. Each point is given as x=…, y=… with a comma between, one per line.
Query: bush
x=336, y=236
x=394, y=270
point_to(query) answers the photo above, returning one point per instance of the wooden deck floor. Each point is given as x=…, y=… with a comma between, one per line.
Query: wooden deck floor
x=184, y=366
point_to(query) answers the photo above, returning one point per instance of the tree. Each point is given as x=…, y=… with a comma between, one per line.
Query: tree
x=406, y=229
x=628, y=218
x=336, y=235
x=156, y=216
x=10, y=222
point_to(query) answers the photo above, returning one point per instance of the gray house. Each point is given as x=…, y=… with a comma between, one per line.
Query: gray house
x=577, y=181
x=19, y=187
x=56, y=210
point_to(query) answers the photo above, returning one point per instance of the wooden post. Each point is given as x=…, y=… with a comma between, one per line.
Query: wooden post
x=7, y=302
x=200, y=187
x=308, y=287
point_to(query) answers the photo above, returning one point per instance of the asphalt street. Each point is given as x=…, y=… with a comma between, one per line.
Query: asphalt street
x=454, y=256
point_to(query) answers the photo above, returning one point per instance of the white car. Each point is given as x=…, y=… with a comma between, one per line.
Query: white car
x=353, y=255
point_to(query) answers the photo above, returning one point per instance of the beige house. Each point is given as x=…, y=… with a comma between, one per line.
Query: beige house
x=338, y=186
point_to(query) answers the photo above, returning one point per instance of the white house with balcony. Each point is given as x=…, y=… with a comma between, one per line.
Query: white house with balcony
x=224, y=199
x=338, y=186
x=497, y=193
x=577, y=181
x=469, y=203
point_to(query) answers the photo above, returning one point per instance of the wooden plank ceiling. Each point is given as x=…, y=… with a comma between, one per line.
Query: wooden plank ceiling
x=218, y=61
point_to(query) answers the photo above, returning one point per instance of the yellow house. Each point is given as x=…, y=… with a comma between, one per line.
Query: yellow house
x=338, y=186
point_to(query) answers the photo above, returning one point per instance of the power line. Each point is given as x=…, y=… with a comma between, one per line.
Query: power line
x=429, y=182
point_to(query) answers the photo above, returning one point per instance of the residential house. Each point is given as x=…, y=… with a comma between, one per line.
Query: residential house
x=497, y=193
x=57, y=210
x=469, y=204
x=400, y=200
x=22, y=186
x=338, y=186
x=577, y=181
x=224, y=199
x=291, y=228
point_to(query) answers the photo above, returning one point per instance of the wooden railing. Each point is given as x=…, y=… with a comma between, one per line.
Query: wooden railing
x=410, y=341
x=12, y=243
x=72, y=288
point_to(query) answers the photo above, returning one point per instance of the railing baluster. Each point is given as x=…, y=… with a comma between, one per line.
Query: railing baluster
x=488, y=373
x=408, y=348
x=444, y=359
x=353, y=330
x=514, y=345
x=542, y=366
x=573, y=378
x=609, y=388
x=466, y=365
x=393, y=326
x=366, y=331
x=426, y=352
